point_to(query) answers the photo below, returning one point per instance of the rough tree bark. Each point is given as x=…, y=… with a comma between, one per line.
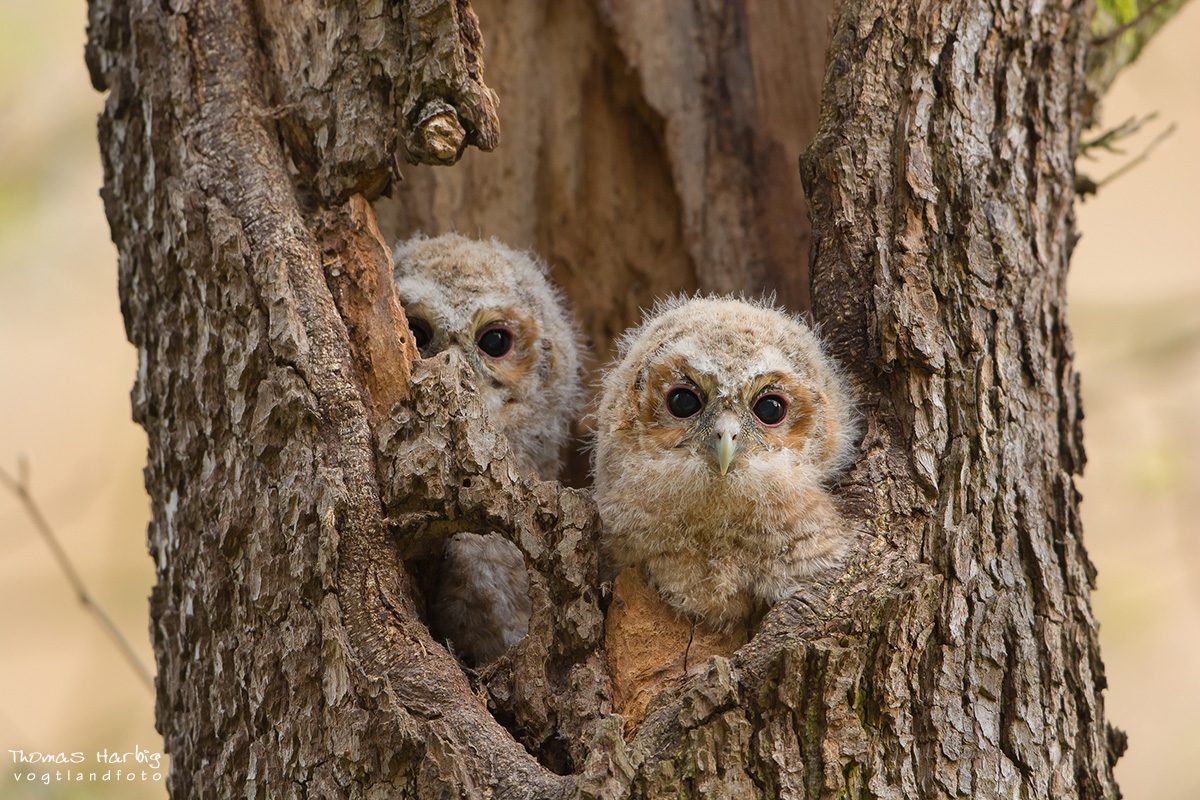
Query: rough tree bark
x=303, y=468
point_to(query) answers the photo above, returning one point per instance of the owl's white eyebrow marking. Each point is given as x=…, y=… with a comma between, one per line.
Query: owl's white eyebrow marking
x=768, y=360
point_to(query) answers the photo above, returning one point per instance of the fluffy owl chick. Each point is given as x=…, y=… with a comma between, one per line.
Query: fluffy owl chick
x=716, y=432
x=495, y=306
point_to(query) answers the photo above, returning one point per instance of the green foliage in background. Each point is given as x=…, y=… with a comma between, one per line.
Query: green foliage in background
x=1121, y=29
x=47, y=110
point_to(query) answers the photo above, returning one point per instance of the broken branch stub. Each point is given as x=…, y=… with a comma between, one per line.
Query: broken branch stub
x=446, y=104
x=400, y=80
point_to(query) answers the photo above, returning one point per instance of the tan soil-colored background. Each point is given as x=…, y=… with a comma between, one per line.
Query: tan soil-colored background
x=66, y=370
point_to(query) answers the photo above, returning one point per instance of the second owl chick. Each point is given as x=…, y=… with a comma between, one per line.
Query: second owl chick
x=716, y=432
x=495, y=306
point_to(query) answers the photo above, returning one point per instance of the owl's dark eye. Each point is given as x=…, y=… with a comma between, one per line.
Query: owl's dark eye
x=770, y=409
x=683, y=402
x=495, y=342
x=421, y=332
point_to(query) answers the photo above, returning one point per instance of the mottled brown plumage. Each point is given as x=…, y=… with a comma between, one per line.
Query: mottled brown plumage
x=496, y=307
x=717, y=431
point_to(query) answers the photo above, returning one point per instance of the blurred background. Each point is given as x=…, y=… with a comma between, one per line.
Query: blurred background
x=66, y=371
x=1134, y=306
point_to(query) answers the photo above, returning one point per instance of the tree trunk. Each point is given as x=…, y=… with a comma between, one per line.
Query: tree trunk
x=303, y=469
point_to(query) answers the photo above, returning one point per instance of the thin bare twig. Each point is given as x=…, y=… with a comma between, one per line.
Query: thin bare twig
x=1133, y=23
x=1085, y=186
x=19, y=486
x=1108, y=140
x=1133, y=162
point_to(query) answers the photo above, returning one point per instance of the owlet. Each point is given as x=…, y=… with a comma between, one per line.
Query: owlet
x=495, y=306
x=717, y=431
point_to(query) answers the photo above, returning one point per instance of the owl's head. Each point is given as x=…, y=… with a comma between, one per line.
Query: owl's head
x=497, y=308
x=722, y=380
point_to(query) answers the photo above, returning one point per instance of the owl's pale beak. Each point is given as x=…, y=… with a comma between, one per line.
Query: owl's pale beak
x=726, y=430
